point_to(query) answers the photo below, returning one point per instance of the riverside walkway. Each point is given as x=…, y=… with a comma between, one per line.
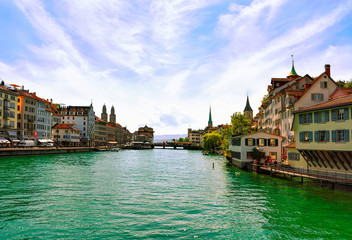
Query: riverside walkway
x=343, y=178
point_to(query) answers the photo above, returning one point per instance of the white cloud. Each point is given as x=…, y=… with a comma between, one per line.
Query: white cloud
x=156, y=64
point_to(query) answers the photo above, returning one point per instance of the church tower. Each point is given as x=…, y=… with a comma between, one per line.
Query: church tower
x=104, y=115
x=112, y=115
x=248, y=112
x=210, y=121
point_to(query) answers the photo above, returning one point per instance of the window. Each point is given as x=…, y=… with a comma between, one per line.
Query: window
x=293, y=156
x=322, y=136
x=261, y=142
x=324, y=84
x=321, y=117
x=236, y=141
x=273, y=155
x=305, y=118
x=340, y=114
x=317, y=97
x=340, y=136
x=274, y=142
x=305, y=136
x=236, y=155
x=249, y=142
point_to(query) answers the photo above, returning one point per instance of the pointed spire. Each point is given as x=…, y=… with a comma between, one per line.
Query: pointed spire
x=210, y=121
x=248, y=106
x=293, y=71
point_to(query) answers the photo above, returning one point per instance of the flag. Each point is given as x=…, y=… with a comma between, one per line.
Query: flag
x=35, y=134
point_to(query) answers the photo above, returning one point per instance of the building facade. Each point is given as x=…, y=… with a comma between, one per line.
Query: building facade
x=323, y=135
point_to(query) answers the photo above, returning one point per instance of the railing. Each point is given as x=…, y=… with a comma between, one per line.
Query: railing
x=331, y=176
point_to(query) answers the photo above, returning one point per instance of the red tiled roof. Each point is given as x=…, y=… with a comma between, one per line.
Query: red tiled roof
x=65, y=126
x=335, y=102
x=292, y=145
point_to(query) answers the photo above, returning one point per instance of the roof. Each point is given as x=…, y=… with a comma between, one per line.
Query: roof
x=293, y=70
x=332, y=103
x=248, y=106
x=257, y=133
x=292, y=145
x=66, y=126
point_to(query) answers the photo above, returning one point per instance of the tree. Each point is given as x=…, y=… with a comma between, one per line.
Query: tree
x=211, y=141
x=186, y=139
x=344, y=83
x=226, y=133
x=240, y=124
x=257, y=154
x=180, y=139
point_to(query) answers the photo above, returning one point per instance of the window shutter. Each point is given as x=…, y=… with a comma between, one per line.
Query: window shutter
x=326, y=116
x=310, y=135
x=265, y=142
x=346, y=114
x=276, y=142
x=300, y=119
x=315, y=117
x=254, y=142
x=347, y=135
x=327, y=136
x=333, y=135
x=257, y=141
x=333, y=115
x=246, y=142
x=315, y=136
x=301, y=136
x=310, y=117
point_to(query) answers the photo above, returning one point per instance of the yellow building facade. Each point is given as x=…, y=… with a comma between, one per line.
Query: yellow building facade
x=8, y=113
x=323, y=136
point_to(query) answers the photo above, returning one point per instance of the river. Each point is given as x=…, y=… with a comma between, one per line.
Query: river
x=160, y=194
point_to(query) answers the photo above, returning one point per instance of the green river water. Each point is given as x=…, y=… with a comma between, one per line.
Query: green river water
x=160, y=194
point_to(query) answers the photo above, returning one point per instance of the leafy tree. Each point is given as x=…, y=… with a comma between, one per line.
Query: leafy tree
x=240, y=124
x=186, y=139
x=226, y=133
x=180, y=139
x=257, y=154
x=348, y=84
x=341, y=83
x=211, y=141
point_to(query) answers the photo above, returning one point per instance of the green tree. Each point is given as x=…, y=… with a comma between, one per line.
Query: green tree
x=226, y=133
x=257, y=154
x=348, y=84
x=180, y=139
x=240, y=124
x=211, y=141
x=186, y=139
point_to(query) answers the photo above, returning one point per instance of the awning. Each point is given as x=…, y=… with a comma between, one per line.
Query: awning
x=45, y=141
x=112, y=142
x=4, y=140
x=14, y=140
x=12, y=133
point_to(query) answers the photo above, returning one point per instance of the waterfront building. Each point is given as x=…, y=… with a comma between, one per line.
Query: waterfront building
x=66, y=134
x=127, y=135
x=241, y=147
x=144, y=134
x=55, y=113
x=84, y=118
x=8, y=115
x=195, y=137
x=112, y=115
x=289, y=94
x=43, y=120
x=26, y=111
x=323, y=135
x=100, y=132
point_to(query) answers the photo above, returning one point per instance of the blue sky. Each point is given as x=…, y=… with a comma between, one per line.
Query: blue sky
x=164, y=62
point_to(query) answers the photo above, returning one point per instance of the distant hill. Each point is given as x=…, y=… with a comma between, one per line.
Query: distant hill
x=168, y=137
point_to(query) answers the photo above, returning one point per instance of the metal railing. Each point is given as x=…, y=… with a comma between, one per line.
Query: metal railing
x=330, y=176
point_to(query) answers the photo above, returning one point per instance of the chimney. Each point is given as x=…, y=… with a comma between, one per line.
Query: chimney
x=327, y=69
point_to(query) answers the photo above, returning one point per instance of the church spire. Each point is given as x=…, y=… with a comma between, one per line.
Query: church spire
x=248, y=112
x=210, y=121
x=293, y=73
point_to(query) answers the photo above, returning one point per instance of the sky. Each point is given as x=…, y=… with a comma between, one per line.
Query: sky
x=163, y=63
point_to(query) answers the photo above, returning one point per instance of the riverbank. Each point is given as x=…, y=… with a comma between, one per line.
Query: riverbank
x=6, y=152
